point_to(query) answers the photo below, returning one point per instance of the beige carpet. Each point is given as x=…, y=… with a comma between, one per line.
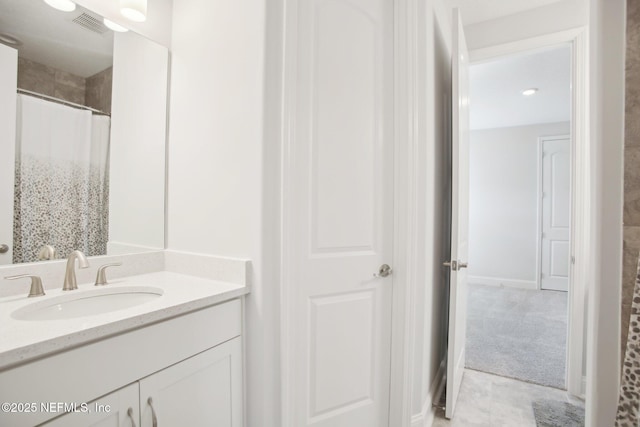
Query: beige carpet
x=517, y=333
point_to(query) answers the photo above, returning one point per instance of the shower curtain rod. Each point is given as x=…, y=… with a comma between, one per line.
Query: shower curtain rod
x=62, y=101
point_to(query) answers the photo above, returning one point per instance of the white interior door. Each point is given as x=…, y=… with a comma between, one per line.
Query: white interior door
x=459, y=214
x=556, y=213
x=342, y=212
x=8, y=86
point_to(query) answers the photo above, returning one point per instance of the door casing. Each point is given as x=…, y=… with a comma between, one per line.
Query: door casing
x=580, y=186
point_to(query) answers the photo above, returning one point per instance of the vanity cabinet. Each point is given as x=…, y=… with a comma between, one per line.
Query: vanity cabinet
x=204, y=390
x=111, y=410
x=190, y=366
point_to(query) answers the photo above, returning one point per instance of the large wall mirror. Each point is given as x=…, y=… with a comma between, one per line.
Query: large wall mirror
x=83, y=113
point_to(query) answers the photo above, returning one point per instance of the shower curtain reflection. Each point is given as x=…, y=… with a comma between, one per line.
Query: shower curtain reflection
x=61, y=183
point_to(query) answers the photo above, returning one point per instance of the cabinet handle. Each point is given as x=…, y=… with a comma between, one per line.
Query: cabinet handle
x=154, y=419
x=130, y=413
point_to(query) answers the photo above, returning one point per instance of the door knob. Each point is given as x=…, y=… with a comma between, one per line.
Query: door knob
x=455, y=265
x=384, y=271
x=4, y=248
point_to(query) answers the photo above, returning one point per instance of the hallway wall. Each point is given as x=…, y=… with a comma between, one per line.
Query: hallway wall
x=503, y=204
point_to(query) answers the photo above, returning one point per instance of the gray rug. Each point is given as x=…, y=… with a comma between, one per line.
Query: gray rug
x=553, y=413
x=517, y=333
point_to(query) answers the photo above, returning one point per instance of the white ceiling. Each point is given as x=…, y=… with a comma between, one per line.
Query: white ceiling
x=50, y=37
x=474, y=11
x=496, y=89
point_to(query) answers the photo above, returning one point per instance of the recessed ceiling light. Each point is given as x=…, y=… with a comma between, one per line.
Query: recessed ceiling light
x=63, y=5
x=134, y=10
x=529, y=92
x=115, y=27
x=9, y=40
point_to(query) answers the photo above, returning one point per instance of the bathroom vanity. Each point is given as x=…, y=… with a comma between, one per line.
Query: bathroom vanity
x=175, y=358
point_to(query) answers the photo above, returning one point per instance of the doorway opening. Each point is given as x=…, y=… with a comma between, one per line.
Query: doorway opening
x=520, y=216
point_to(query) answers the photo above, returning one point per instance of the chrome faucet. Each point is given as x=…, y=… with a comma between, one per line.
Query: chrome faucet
x=70, y=282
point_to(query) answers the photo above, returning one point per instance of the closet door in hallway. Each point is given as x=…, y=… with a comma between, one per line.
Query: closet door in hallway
x=339, y=178
x=556, y=213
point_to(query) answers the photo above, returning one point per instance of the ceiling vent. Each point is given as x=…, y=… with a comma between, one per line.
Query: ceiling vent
x=90, y=23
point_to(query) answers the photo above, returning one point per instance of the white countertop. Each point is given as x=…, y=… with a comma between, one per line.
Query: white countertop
x=25, y=340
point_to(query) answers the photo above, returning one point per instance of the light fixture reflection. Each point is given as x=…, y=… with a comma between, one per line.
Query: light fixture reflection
x=9, y=40
x=134, y=10
x=529, y=92
x=63, y=5
x=114, y=27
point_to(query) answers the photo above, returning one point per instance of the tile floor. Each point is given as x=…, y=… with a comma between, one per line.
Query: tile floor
x=488, y=400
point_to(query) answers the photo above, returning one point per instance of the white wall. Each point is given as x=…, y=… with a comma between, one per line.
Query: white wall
x=216, y=163
x=8, y=86
x=216, y=126
x=157, y=26
x=138, y=145
x=555, y=17
x=503, y=203
x=607, y=92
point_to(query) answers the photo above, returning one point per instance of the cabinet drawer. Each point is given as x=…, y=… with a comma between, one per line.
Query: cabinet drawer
x=93, y=370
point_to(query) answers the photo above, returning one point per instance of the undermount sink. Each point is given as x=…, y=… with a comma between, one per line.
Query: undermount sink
x=83, y=303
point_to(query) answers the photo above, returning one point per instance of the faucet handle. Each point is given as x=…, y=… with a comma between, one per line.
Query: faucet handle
x=101, y=277
x=47, y=252
x=36, y=284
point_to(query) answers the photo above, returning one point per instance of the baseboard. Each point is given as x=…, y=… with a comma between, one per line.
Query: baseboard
x=503, y=281
x=427, y=415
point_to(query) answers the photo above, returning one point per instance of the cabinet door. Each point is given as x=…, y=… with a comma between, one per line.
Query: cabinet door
x=111, y=410
x=204, y=390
